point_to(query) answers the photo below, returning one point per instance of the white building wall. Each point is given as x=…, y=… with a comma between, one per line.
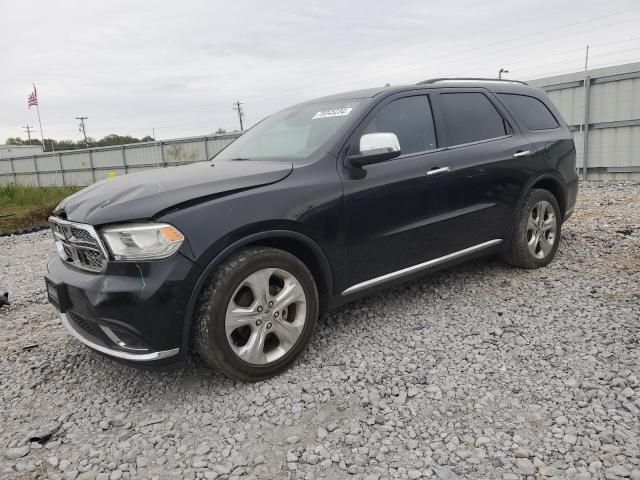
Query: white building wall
x=7, y=151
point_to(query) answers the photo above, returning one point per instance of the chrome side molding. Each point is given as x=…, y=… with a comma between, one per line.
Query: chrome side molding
x=419, y=267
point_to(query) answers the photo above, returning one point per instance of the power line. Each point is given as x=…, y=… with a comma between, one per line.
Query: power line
x=528, y=60
x=472, y=53
x=570, y=70
x=533, y=67
x=541, y=67
x=495, y=48
x=535, y=42
x=467, y=53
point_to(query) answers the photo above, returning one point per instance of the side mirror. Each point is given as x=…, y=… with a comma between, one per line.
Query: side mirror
x=376, y=148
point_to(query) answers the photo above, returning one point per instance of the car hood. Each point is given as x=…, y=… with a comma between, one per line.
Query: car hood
x=142, y=195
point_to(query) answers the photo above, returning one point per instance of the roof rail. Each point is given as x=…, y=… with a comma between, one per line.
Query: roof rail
x=470, y=79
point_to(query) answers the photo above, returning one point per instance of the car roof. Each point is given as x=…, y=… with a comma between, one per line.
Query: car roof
x=494, y=85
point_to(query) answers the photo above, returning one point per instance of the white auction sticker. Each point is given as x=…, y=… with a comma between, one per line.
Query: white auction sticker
x=333, y=112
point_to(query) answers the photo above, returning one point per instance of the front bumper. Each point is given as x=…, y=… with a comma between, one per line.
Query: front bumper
x=97, y=344
x=133, y=311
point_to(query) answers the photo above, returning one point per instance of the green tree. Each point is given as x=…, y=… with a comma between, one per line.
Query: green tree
x=107, y=141
x=20, y=141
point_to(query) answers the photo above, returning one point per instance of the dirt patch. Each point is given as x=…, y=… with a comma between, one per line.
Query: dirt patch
x=25, y=218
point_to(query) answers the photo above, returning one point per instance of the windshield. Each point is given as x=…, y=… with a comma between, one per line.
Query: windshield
x=295, y=133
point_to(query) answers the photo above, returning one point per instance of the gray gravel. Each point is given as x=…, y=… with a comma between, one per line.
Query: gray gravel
x=482, y=371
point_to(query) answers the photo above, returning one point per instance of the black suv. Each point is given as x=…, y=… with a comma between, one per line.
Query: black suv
x=235, y=258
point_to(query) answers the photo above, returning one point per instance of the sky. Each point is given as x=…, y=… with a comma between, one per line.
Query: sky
x=133, y=67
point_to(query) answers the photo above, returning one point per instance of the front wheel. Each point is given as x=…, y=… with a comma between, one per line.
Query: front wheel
x=256, y=315
x=536, y=234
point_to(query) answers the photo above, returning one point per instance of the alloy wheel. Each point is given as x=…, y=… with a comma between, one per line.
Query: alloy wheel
x=542, y=228
x=265, y=316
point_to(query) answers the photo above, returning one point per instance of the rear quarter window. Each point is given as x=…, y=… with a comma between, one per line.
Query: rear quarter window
x=533, y=113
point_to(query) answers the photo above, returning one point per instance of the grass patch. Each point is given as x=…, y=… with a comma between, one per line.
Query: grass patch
x=22, y=206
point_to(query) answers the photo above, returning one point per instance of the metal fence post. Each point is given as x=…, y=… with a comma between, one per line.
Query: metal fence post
x=585, y=131
x=35, y=167
x=124, y=160
x=64, y=182
x=164, y=163
x=93, y=170
x=13, y=170
x=206, y=149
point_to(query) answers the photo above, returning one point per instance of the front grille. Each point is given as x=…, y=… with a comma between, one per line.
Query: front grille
x=79, y=245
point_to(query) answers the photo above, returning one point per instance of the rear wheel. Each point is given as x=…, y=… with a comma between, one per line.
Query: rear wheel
x=536, y=233
x=256, y=315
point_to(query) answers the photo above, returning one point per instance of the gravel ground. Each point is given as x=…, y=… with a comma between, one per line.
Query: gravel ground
x=482, y=371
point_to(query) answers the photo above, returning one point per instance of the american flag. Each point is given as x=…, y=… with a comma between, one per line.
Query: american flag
x=32, y=99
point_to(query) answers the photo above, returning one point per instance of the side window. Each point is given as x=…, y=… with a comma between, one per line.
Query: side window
x=410, y=119
x=471, y=117
x=534, y=114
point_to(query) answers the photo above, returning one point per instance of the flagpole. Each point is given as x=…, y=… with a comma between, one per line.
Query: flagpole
x=39, y=121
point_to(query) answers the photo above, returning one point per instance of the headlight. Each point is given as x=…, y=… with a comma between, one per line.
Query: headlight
x=142, y=241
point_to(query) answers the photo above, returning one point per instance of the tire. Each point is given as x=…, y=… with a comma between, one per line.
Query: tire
x=241, y=329
x=523, y=250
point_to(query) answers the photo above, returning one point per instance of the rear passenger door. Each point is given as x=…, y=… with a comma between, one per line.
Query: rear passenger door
x=483, y=141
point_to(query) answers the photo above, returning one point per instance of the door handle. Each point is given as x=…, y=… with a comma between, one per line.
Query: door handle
x=522, y=154
x=438, y=171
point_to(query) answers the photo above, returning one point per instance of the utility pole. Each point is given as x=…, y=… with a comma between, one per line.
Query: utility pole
x=81, y=128
x=238, y=108
x=28, y=129
x=500, y=72
x=585, y=122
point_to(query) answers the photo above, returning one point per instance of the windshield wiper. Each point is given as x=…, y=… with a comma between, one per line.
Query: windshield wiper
x=240, y=159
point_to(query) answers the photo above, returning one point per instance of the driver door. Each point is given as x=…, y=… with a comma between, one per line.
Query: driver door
x=396, y=214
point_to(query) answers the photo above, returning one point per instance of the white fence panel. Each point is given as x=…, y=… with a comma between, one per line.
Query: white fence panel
x=51, y=179
x=613, y=147
x=83, y=167
x=76, y=161
x=28, y=179
x=107, y=158
x=215, y=144
x=179, y=153
x=26, y=164
x=48, y=163
x=78, y=177
x=144, y=155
